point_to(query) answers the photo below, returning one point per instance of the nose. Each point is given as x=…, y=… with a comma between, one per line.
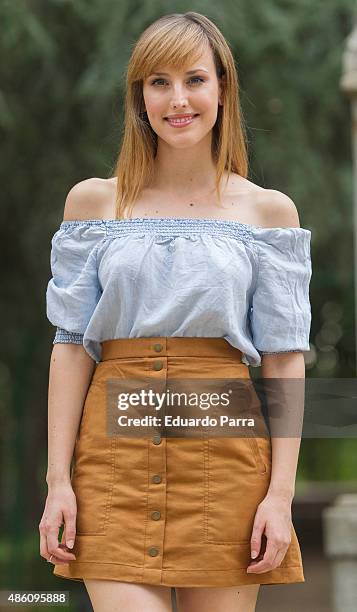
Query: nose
x=179, y=96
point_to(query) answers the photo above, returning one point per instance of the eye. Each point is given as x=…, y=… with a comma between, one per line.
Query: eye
x=155, y=81
x=199, y=79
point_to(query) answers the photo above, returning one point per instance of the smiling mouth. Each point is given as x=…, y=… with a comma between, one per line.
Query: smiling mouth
x=181, y=121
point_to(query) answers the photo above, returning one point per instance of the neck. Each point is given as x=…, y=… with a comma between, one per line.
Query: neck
x=186, y=171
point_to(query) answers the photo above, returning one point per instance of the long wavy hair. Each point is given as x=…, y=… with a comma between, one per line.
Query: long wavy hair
x=176, y=40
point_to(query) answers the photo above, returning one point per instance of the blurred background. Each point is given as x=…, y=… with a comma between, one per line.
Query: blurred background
x=61, y=112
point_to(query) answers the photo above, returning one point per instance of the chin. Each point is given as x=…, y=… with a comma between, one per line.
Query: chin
x=184, y=144
x=182, y=141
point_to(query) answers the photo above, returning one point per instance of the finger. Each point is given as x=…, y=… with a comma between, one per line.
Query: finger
x=54, y=548
x=44, y=551
x=56, y=561
x=279, y=557
x=256, y=539
x=69, y=535
x=62, y=554
x=63, y=538
x=43, y=546
x=265, y=564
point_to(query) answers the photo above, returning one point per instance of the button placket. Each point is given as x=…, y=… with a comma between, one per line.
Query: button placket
x=156, y=502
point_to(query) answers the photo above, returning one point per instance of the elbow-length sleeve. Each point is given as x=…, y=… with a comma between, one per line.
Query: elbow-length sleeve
x=74, y=290
x=280, y=314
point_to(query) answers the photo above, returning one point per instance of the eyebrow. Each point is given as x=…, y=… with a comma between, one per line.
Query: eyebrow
x=188, y=72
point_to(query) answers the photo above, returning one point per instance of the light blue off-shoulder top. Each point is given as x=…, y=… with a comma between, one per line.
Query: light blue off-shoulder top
x=174, y=276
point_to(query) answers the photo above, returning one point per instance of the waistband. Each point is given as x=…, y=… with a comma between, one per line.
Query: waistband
x=166, y=346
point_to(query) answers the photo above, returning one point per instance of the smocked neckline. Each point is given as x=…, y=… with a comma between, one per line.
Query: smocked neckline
x=184, y=220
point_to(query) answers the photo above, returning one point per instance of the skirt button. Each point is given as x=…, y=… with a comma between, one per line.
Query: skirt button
x=156, y=515
x=158, y=347
x=156, y=439
x=156, y=478
x=158, y=365
x=153, y=552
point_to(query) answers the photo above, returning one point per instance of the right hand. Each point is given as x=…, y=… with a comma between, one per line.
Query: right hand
x=60, y=508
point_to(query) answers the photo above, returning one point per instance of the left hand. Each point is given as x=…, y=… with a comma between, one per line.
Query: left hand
x=273, y=517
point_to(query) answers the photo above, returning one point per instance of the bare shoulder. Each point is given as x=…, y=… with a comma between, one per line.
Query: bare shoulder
x=88, y=199
x=262, y=207
x=276, y=209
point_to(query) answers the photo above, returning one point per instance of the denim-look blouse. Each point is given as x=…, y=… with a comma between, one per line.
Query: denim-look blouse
x=174, y=276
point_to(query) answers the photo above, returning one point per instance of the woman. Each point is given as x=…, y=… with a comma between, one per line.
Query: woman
x=175, y=267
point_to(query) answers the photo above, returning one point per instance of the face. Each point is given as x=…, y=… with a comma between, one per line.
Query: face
x=193, y=91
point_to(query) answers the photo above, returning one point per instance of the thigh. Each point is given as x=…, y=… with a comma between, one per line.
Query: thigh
x=214, y=599
x=119, y=596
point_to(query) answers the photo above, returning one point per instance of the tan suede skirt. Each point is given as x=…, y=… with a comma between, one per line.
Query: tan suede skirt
x=174, y=511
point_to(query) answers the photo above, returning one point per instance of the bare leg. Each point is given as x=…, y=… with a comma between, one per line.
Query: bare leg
x=116, y=596
x=217, y=599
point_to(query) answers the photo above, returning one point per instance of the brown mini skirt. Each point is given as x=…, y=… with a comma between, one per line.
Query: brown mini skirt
x=174, y=511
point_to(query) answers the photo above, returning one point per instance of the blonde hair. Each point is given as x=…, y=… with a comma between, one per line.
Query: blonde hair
x=176, y=40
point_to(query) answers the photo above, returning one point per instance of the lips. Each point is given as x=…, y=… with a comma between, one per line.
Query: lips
x=181, y=121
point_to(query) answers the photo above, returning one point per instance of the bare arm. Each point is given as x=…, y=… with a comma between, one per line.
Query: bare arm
x=285, y=449
x=273, y=516
x=71, y=370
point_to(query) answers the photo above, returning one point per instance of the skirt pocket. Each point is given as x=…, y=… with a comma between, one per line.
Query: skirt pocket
x=260, y=448
x=94, y=465
x=236, y=480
